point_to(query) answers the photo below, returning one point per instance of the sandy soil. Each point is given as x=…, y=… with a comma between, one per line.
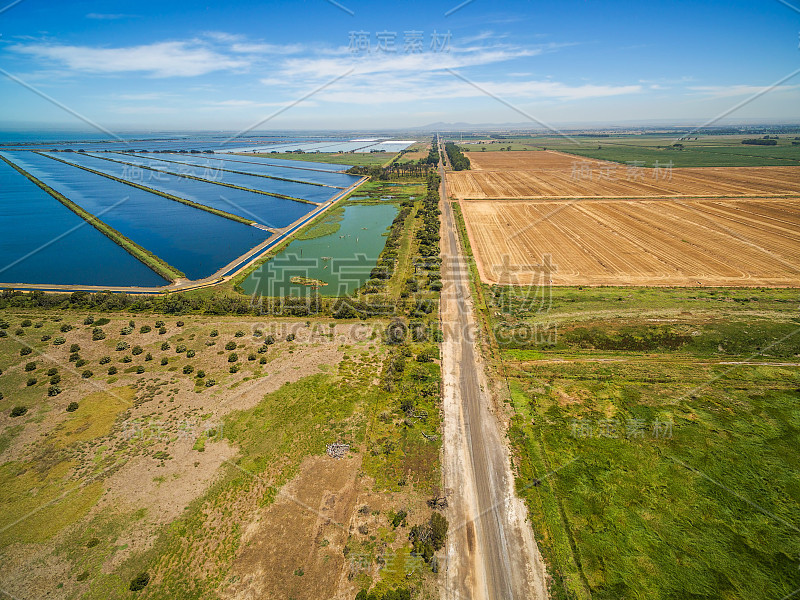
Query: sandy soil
x=726, y=242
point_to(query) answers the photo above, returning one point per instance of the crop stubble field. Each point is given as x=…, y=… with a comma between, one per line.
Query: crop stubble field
x=746, y=235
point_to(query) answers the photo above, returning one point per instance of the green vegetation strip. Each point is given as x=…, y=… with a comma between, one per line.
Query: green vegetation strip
x=151, y=260
x=215, y=211
x=178, y=162
x=186, y=176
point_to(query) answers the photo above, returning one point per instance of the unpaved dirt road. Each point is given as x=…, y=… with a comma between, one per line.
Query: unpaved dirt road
x=491, y=551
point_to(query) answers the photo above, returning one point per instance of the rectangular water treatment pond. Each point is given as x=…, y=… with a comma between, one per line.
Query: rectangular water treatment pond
x=335, y=264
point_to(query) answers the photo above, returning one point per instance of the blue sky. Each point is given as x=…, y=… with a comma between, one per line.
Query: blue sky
x=196, y=65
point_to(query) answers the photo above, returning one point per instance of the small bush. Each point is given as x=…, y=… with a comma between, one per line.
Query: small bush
x=164, y=361
x=180, y=348
x=19, y=331
x=31, y=381
x=211, y=383
x=131, y=324
x=3, y=333
x=239, y=333
x=65, y=328
x=38, y=325
x=234, y=369
x=26, y=323
x=73, y=406
x=290, y=337
x=137, y=350
x=74, y=357
x=230, y=345
x=269, y=340
x=127, y=358
x=160, y=323
x=31, y=366
x=145, y=329
x=188, y=369
x=179, y=324
x=140, y=369
x=214, y=333
x=83, y=576
x=55, y=379
x=190, y=354
x=162, y=330
x=112, y=370
x=233, y=357
x=122, y=346
x=79, y=363
x=148, y=357
x=92, y=543
x=54, y=390
x=98, y=334
x=18, y=411
x=102, y=321
x=262, y=360
x=45, y=338
x=126, y=331
x=165, y=346
x=251, y=356
x=86, y=374
x=24, y=351
x=139, y=582
x=201, y=374
x=52, y=371
x=88, y=320
x=105, y=360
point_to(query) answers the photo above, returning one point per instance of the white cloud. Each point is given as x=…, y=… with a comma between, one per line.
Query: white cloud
x=728, y=91
x=162, y=59
x=108, y=17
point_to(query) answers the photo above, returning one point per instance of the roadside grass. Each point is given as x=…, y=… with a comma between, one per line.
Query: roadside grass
x=649, y=467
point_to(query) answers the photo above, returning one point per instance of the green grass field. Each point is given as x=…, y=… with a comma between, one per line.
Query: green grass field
x=653, y=462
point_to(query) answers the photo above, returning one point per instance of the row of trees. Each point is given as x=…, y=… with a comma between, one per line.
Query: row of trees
x=458, y=161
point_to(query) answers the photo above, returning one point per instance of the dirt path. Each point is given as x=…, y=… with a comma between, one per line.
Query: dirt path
x=491, y=551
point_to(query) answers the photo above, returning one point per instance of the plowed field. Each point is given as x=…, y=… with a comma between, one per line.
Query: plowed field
x=546, y=174
x=724, y=242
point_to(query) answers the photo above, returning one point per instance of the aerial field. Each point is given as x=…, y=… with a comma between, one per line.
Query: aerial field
x=552, y=174
x=725, y=242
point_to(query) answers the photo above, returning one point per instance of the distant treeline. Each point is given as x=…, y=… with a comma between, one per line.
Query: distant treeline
x=458, y=161
x=760, y=142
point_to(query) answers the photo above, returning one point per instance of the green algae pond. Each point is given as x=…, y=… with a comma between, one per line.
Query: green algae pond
x=335, y=256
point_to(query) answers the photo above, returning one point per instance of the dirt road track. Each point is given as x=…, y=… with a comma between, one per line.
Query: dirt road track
x=491, y=551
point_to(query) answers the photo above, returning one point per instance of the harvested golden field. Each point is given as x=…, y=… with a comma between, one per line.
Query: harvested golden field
x=725, y=242
x=546, y=174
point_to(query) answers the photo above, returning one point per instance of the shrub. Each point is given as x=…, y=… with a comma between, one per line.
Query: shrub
x=140, y=369
x=262, y=360
x=55, y=379
x=211, y=383
x=165, y=346
x=179, y=324
x=79, y=363
x=3, y=333
x=230, y=345
x=31, y=381
x=92, y=543
x=83, y=576
x=201, y=374
x=269, y=340
x=214, y=333
x=188, y=369
x=180, y=348
x=164, y=361
x=73, y=406
x=54, y=390
x=65, y=328
x=148, y=357
x=105, y=360
x=233, y=357
x=24, y=351
x=251, y=356
x=239, y=333
x=190, y=354
x=98, y=334
x=31, y=366
x=4, y=324
x=126, y=331
x=290, y=337
x=137, y=350
x=160, y=323
x=26, y=323
x=145, y=329
x=258, y=333
x=18, y=411
x=45, y=338
x=86, y=374
x=19, y=332
x=39, y=325
x=88, y=320
x=127, y=358
x=234, y=369
x=74, y=357
x=112, y=370
x=131, y=324
x=102, y=321
x=52, y=371
x=162, y=330
x=139, y=582
x=122, y=346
